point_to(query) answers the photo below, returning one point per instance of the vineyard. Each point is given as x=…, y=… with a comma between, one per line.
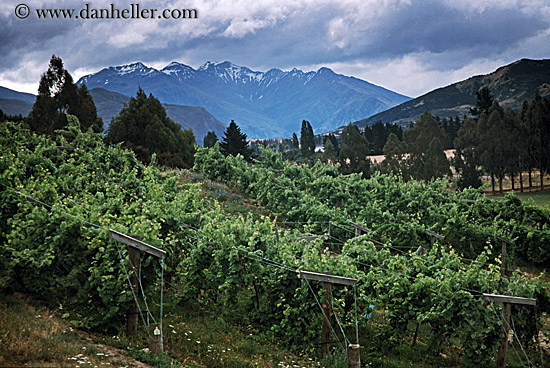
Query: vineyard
x=60, y=196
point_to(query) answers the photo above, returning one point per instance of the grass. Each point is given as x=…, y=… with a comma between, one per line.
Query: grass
x=35, y=336
x=540, y=199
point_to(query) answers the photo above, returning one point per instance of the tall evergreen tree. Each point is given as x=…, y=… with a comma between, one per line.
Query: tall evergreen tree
x=210, y=139
x=144, y=127
x=234, y=142
x=493, y=144
x=335, y=144
x=57, y=96
x=354, y=150
x=307, y=139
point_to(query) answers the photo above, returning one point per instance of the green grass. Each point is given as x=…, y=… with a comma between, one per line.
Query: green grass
x=541, y=199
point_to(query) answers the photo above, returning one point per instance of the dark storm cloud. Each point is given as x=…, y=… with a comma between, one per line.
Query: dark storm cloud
x=430, y=36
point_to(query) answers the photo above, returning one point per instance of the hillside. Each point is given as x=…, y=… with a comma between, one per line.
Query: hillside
x=510, y=85
x=198, y=119
x=110, y=103
x=15, y=103
x=268, y=104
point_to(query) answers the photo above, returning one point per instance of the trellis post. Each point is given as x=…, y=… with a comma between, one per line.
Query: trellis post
x=135, y=246
x=354, y=359
x=507, y=302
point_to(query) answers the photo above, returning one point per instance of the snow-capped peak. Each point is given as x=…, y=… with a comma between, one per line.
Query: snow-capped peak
x=178, y=69
x=138, y=67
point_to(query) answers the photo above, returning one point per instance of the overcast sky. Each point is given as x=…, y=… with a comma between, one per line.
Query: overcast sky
x=410, y=47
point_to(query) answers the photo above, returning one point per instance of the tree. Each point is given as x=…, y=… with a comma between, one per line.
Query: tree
x=295, y=142
x=144, y=127
x=57, y=96
x=234, y=142
x=307, y=139
x=494, y=145
x=354, y=151
x=538, y=121
x=418, y=140
x=436, y=164
x=484, y=101
x=210, y=139
x=378, y=137
x=332, y=138
x=393, y=156
x=466, y=160
x=330, y=153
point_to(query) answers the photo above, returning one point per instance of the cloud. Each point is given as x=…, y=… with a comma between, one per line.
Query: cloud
x=409, y=46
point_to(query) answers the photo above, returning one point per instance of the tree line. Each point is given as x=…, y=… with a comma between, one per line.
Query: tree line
x=496, y=141
x=503, y=142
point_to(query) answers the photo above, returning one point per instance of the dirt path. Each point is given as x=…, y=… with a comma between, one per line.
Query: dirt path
x=116, y=357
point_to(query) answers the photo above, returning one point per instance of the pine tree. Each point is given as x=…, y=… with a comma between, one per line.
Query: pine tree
x=210, y=139
x=144, y=127
x=57, y=96
x=538, y=118
x=234, y=142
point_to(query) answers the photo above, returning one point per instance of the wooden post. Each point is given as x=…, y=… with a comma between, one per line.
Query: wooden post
x=133, y=264
x=277, y=233
x=507, y=302
x=354, y=357
x=330, y=229
x=502, y=351
x=155, y=338
x=327, y=308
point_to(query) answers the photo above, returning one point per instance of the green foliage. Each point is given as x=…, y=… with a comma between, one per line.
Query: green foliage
x=377, y=135
x=241, y=266
x=55, y=245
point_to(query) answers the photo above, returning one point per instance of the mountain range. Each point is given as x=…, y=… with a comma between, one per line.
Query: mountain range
x=272, y=104
x=268, y=104
x=509, y=85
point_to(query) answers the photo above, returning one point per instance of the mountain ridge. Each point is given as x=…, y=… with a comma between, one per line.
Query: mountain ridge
x=268, y=104
x=509, y=84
